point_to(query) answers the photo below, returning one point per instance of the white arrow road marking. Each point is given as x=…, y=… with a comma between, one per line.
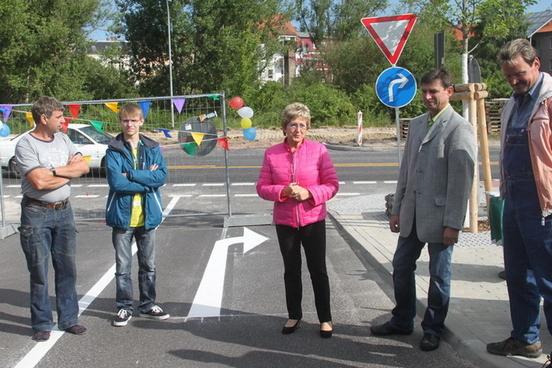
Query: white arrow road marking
x=34, y=356
x=208, y=298
x=402, y=80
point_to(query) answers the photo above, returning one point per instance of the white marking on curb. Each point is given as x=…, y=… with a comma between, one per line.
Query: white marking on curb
x=98, y=185
x=347, y=194
x=76, y=185
x=342, y=183
x=13, y=186
x=33, y=357
x=180, y=195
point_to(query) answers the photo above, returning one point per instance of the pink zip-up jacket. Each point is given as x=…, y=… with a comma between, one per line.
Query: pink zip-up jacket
x=539, y=131
x=311, y=167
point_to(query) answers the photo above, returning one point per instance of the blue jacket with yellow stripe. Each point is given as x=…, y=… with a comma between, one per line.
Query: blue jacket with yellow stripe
x=122, y=188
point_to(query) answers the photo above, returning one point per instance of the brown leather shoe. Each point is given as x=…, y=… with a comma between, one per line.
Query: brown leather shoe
x=515, y=347
x=41, y=336
x=76, y=330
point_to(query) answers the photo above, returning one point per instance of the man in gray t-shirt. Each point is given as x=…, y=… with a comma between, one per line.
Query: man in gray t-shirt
x=47, y=161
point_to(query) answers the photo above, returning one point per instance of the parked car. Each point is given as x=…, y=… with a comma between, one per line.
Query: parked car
x=85, y=137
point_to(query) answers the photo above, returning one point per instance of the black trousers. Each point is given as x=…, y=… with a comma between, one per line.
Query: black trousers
x=313, y=239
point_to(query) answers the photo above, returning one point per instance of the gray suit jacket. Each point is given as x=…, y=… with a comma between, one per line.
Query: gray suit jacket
x=436, y=176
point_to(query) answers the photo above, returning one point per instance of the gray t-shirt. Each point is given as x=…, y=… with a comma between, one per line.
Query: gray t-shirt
x=32, y=153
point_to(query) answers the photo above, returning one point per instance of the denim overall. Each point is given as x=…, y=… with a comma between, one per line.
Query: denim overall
x=527, y=241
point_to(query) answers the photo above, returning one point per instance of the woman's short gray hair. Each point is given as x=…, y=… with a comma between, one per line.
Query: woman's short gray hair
x=295, y=110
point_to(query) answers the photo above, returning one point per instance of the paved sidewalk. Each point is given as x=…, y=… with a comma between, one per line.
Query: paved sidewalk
x=479, y=310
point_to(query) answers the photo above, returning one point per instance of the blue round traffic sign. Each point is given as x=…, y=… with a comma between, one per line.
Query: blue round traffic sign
x=396, y=87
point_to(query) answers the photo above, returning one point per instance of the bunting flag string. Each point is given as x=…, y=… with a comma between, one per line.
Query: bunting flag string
x=74, y=109
x=29, y=117
x=98, y=125
x=113, y=106
x=166, y=132
x=179, y=103
x=198, y=137
x=6, y=111
x=145, y=106
x=223, y=143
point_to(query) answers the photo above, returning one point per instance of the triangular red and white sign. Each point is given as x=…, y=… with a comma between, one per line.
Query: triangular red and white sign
x=390, y=33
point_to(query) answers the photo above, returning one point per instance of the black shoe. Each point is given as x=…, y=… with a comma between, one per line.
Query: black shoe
x=429, y=342
x=291, y=329
x=41, y=336
x=387, y=329
x=76, y=330
x=326, y=334
x=122, y=317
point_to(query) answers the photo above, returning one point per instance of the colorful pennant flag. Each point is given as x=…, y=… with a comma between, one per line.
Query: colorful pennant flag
x=74, y=109
x=223, y=143
x=214, y=97
x=166, y=132
x=65, y=124
x=190, y=148
x=113, y=106
x=145, y=106
x=178, y=103
x=29, y=117
x=6, y=111
x=98, y=125
x=198, y=137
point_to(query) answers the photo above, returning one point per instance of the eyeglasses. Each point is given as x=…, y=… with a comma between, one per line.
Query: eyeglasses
x=295, y=126
x=130, y=121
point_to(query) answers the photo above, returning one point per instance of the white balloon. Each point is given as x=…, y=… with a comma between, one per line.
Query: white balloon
x=246, y=112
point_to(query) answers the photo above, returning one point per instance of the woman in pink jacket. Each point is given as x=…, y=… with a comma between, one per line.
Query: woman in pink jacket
x=299, y=177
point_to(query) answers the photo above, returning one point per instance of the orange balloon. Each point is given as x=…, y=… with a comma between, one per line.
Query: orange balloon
x=236, y=102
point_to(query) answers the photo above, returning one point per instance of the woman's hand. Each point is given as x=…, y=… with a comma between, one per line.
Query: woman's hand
x=299, y=193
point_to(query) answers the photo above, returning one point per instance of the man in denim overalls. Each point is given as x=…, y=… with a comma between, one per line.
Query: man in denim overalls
x=526, y=178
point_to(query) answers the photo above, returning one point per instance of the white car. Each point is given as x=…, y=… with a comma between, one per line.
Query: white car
x=85, y=137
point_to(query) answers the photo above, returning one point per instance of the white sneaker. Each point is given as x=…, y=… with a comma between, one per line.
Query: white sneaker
x=122, y=318
x=156, y=312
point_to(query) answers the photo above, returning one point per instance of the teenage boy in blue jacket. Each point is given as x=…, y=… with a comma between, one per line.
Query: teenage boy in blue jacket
x=135, y=172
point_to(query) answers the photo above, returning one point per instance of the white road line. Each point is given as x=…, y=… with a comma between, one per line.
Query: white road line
x=33, y=357
x=13, y=186
x=6, y=196
x=342, y=183
x=213, y=184
x=87, y=196
x=347, y=194
x=389, y=182
x=19, y=196
x=98, y=185
x=246, y=195
x=364, y=182
x=185, y=185
x=242, y=184
x=212, y=195
x=76, y=185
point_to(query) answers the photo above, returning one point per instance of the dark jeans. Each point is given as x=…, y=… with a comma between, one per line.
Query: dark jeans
x=527, y=260
x=122, y=241
x=404, y=264
x=313, y=239
x=44, y=232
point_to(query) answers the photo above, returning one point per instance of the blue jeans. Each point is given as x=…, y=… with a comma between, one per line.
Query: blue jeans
x=404, y=264
x=46, y=231
x=122, y=241
x=527, y=260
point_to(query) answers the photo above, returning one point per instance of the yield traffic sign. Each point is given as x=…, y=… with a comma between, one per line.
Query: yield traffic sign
x=396, y=87
x=390, y=33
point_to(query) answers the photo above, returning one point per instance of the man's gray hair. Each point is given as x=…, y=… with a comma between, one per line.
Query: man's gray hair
x=513, y=49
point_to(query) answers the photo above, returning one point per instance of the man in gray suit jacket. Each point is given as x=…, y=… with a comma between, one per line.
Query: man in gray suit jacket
x=430, y=203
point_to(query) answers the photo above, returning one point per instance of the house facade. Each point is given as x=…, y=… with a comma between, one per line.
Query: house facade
x=539, y=33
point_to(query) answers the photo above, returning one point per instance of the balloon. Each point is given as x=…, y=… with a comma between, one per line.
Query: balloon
x=236, y=102
x=245, y=112
x=245, y=123
x=250, y=133
x=5, y=130
x=1, y=124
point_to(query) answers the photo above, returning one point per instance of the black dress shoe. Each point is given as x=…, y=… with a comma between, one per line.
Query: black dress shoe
x=291, y=329
x=429, y=342
x=387, y=329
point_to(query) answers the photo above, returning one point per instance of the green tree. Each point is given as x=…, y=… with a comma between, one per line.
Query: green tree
x=42, y=48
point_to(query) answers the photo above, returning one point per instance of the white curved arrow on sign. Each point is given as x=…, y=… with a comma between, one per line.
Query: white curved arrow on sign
x=208, y=298
x=402, y=80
